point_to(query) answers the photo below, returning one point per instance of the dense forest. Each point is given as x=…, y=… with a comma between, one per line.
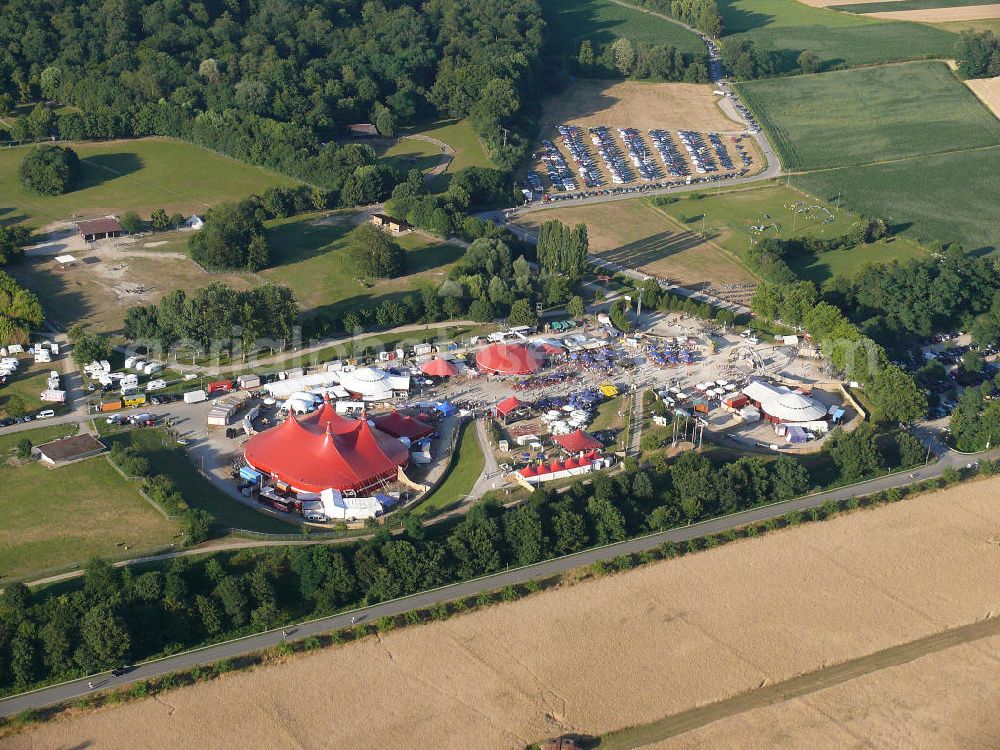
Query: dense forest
x=271, y=81
x=115, y=616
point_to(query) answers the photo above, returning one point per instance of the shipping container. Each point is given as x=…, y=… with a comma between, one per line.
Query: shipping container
x=195, y=397
x=111, y=405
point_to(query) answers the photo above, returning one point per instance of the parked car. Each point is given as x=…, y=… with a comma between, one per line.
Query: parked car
x=45, y=414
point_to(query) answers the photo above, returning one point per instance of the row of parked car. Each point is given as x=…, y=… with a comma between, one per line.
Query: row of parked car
x=572, y=138
x=557, y=168
x=694, y=144
x=675, y=164
x=644, y=188
x=720, y=150
x=611, y=155
x=642, y=158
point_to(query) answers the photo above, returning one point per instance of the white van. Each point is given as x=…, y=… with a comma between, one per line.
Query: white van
x=45, y=414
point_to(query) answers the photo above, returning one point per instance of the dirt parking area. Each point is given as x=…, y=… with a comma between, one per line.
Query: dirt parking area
x=941, y=15
x=634, y=104
x=635, y=234
x=628, y=649
x=988, y=91
x=109, y=277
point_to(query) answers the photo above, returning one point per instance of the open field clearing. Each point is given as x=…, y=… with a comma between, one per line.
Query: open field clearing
x=735, y=219
x=635, y=234
x=410, y=153
x=111, y=278
x=602, y=21
x=870, y=115
x=946, y=197
x=790, y=27
x=307, y=256
x=637, y=104
x=668, y=637
x=28, y=383
x=839, y=3
x=938, y=701
x=988, y=91
x=135, y=175
x=43, y=524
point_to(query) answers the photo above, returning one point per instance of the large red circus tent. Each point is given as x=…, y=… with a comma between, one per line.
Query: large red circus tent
x=439, y=368
x=578, y=442
x=325, y=450
x=509, y=359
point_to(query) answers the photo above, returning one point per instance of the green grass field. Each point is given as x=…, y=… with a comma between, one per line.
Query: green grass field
x=883, y=7
x=602, y=22
x=788, y=28
x=44, y=525
x=945, y=197
x=136, y=175
x=308, y=257
x=783, y=212
x=411, y=153
x=980, y=24
x=870, y=115
x=171, y=460
x=467, y=465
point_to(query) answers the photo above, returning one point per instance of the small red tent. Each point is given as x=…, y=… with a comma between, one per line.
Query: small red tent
x=578, y=442
x=402, y=425
x=439, y=368
x=507, y=406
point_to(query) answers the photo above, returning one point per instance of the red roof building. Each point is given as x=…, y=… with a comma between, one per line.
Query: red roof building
x=509, y=359
x=324, y=450
x=402, y=425
x=578, y=442
x=439, y=368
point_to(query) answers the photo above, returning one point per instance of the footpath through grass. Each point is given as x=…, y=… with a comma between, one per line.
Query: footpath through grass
x=134, y=175
x=870, y=115
x=466, y=466
x=55, y=517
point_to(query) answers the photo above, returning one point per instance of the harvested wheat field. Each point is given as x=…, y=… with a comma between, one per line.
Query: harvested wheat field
x=941, y=701
x=941, y=15
x=618, y=651
x=634, y=234
x=988, y=91
x=636, y=104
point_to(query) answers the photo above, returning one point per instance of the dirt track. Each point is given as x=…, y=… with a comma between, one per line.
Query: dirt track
x=624, y=650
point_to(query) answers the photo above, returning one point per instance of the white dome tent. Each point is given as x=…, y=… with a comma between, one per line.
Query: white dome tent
x=794, y=408
x=373, y=384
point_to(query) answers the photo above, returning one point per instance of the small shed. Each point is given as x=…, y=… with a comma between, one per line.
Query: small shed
x=99, y=229
x=363, y=130
x=396, y=226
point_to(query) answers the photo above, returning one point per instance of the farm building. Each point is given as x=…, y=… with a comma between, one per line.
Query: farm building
x=99, y=229
x=396, y=226
x=324, y=450
x=509, y=359
x=69, y=449
x=363, y=130
x=781, y=406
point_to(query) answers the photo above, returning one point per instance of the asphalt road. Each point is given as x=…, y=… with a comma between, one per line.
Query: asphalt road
x=70, y=690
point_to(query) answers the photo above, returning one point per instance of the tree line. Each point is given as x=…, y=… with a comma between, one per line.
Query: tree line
x=20, y=311
x=892, y=392
x=640, y=61
x=268, y=82
x=113, y=616
x=216, y=315
x=978, y=54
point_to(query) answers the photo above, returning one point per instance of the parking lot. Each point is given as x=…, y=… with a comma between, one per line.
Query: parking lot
x=606, y=160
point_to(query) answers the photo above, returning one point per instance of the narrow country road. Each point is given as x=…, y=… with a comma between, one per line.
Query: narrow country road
x=76, y=688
